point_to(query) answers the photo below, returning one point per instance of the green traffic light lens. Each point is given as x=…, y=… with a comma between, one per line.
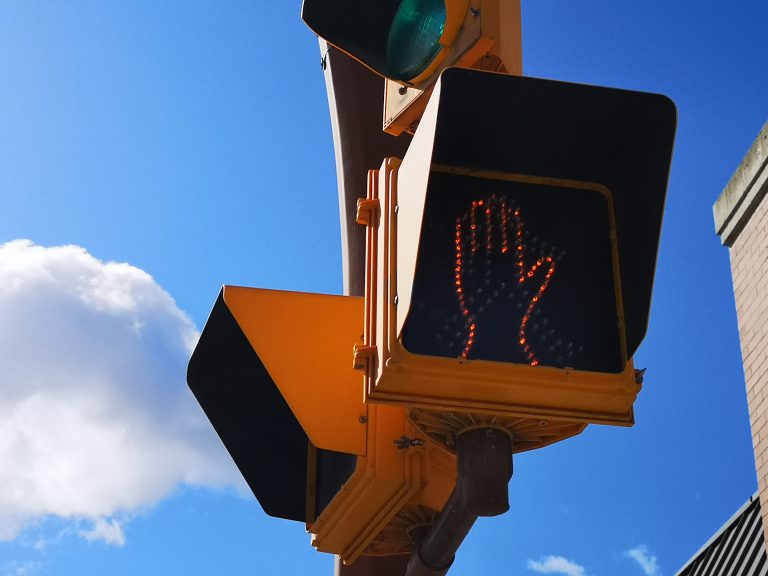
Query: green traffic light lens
x=414, y=37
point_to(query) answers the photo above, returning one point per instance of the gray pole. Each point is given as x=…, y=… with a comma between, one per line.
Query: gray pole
x=484, y=460
x=356, y=103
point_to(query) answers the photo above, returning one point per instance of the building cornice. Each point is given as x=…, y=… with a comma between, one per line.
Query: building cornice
x=743, y=194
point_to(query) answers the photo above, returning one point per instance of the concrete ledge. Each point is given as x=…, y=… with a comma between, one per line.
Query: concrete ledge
x=744, y=192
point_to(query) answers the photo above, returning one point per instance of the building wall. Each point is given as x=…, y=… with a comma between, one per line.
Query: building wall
x=741, y=220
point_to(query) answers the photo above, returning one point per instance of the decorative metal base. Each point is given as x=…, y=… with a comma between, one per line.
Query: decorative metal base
x=526, y=433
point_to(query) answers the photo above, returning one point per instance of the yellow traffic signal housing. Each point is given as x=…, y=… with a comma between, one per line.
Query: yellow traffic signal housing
x=510, y=260
x=272, y=373
x=510, y=270
x=401, y=483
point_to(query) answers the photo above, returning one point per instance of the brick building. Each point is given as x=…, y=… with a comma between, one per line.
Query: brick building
x=741, y=221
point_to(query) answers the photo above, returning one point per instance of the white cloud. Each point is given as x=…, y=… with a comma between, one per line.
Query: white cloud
x=647, y=561
x=21, y=568
x=108, y=531
x=556, y=565
x=95, y=416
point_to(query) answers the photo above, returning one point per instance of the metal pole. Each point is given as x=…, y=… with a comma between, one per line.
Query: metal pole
x=373, y=566
x=484, y=459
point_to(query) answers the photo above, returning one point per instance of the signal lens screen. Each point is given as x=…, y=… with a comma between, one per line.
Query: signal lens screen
x=515, y=271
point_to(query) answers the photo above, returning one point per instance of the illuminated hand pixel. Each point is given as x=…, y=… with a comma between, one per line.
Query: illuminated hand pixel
x=492, y=230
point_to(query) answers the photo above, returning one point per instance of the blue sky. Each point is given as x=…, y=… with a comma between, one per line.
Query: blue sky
x=174, y=147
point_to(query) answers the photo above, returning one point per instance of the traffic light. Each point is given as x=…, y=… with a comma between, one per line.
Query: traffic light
x=249, y=372
x=510, y=258
x=404, y=40
x=273, y=373
x=409, y=42
x=511, y=266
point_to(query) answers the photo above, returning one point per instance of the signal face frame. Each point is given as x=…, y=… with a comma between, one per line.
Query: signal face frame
x=397, y=376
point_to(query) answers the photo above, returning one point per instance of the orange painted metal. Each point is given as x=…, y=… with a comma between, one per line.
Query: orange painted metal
x=304, y=342
x=325, y=394
x=395, y=376
x=399, y=471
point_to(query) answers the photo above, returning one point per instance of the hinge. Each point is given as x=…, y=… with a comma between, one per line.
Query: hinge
x=363, y=357
x=368, y=211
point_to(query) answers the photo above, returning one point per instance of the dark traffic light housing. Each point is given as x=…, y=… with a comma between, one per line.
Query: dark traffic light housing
x=409, y=42
x=404, y=40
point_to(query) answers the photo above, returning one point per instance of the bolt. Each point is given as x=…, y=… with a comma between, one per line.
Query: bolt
x=404, y=442
x=401, y=442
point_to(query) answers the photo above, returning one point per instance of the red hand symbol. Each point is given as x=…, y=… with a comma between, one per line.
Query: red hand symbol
x=501, y=221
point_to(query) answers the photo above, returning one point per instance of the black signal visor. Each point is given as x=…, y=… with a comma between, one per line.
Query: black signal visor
x=557, y=132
